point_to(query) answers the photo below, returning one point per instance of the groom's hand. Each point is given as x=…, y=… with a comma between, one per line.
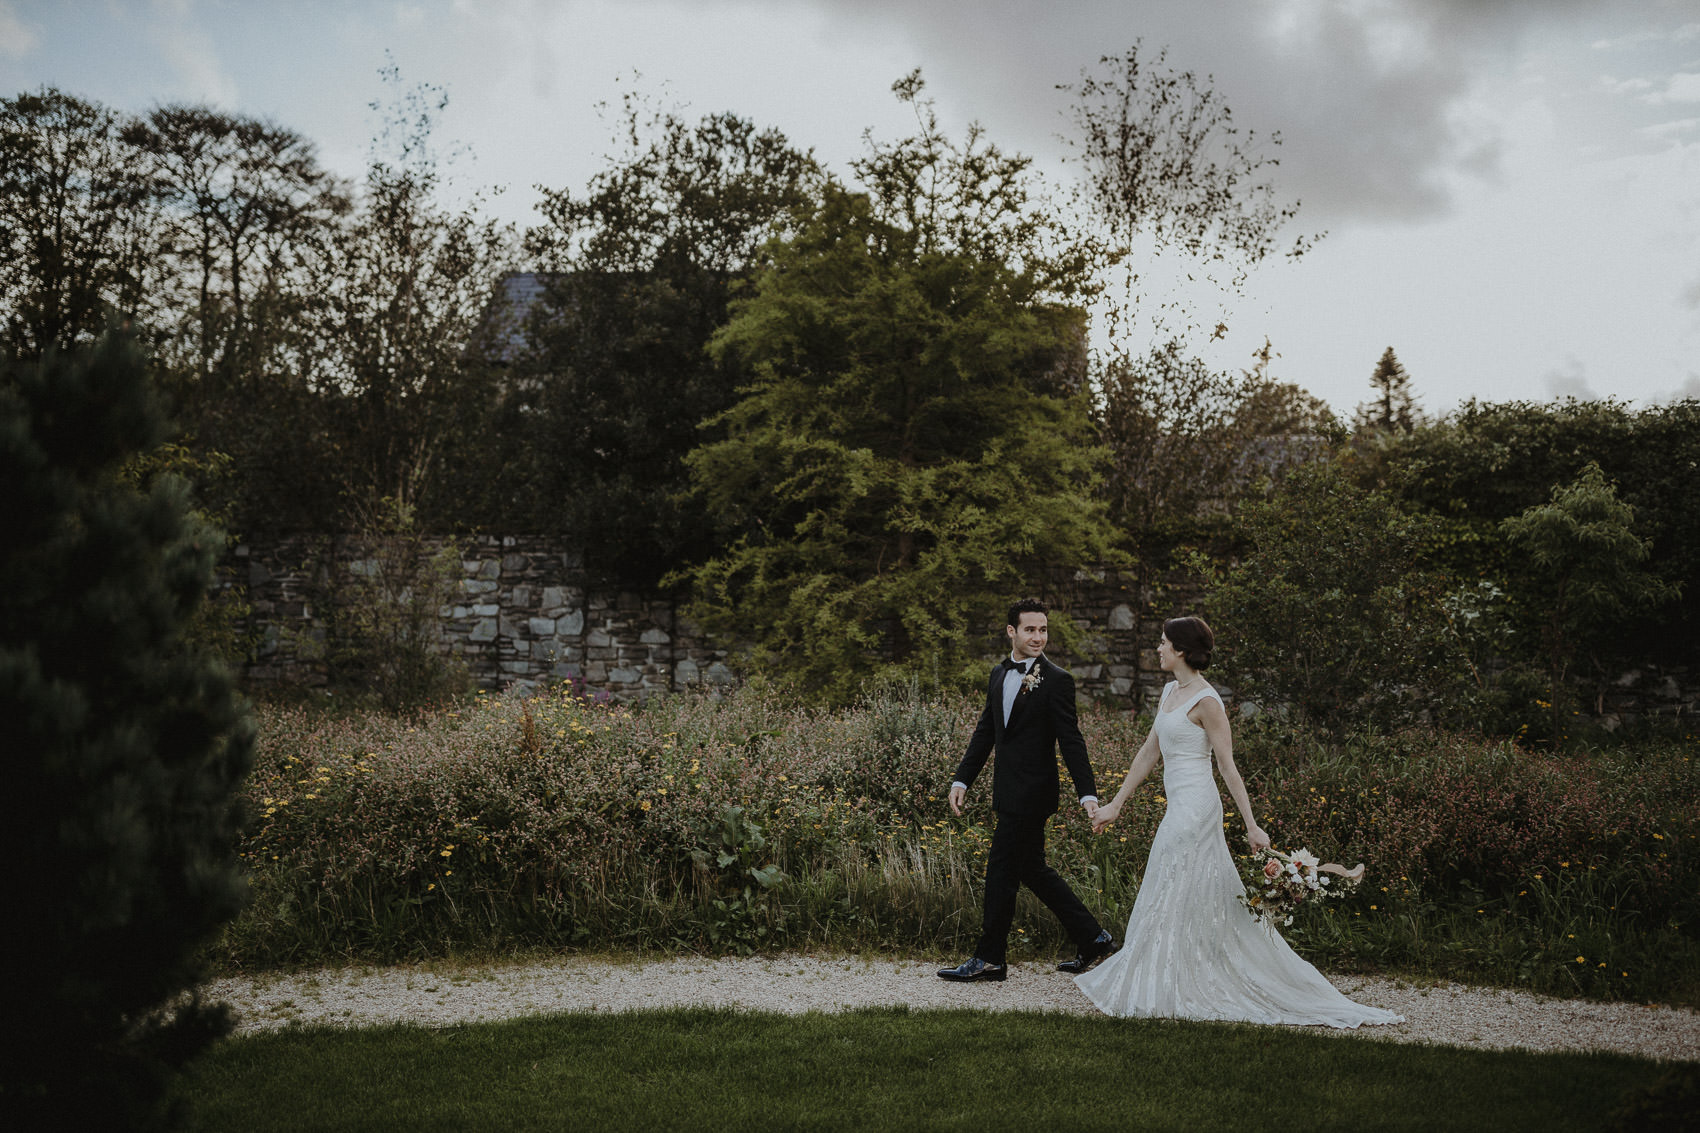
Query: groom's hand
x=957, y=794
x=1091, y=806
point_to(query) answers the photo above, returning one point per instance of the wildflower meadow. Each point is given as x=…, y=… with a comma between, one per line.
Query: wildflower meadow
x=509, y=824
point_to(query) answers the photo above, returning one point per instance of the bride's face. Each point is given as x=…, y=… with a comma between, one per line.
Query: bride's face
x=1166, y=654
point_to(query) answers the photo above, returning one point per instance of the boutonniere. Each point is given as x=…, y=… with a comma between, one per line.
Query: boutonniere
x=1032, y=679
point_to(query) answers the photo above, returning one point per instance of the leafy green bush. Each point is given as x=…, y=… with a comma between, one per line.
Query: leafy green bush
x=1588, y=582
x=1328, y=616
x=1490, y=461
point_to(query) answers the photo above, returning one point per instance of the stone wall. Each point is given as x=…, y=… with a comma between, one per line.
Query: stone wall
x=524, y=612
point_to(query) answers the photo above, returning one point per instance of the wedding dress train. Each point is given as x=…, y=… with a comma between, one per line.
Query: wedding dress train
x=1192, y=951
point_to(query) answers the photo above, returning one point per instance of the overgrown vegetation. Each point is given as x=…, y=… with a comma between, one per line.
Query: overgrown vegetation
x=1429, y=575
x=1328, y=615
x=749, y=823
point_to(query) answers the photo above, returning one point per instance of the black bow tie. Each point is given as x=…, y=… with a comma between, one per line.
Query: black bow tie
x=1012, y=663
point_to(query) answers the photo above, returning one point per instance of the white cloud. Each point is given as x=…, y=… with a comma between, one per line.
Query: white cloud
x=17, y=38
x=189, y=50
x=1572, y=381
x=1684, y=87
x=1669, y=131
x=1691, y=295
x=1624, y=86
x=1683, y=34
x=1689, y=390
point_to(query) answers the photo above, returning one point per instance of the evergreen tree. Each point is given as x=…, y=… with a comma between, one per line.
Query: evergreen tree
x=1393, y=408
x=912, y=448
x=124, y=750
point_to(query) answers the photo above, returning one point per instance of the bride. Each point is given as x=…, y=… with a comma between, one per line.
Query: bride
x=1192, y=951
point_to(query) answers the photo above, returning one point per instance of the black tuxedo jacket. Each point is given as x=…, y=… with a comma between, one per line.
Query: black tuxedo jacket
x=1024, y=776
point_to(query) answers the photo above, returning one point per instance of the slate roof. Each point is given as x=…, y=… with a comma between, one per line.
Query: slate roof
x=516, y=294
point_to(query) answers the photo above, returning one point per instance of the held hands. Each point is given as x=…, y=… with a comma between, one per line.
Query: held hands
x=1092, y=809
x=957, y=794
x=1103, y=816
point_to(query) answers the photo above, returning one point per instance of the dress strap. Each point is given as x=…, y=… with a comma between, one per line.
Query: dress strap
x=1207, y=690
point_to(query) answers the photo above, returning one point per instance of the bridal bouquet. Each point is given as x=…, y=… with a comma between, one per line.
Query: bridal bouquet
x=1283, y=882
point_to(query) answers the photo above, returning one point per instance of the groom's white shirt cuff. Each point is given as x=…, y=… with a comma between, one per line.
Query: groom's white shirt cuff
x=1084, y=799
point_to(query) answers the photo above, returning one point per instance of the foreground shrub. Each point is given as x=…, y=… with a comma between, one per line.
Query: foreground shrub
x=507, y=824
x=124, y=749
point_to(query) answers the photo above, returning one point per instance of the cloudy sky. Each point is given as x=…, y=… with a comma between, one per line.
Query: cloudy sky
x=1510, y=188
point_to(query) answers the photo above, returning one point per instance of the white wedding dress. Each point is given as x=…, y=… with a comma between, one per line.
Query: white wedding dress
x=1192, y=951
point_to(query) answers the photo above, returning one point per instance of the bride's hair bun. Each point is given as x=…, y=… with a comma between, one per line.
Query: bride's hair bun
x=1192, y=638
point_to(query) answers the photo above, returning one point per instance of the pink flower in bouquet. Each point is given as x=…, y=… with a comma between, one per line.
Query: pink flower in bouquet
x=1281, y=882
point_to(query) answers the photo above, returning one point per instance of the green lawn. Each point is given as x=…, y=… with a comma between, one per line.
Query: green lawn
x=887, y=1069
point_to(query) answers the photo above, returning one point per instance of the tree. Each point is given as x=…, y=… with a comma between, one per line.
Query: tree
x=1328, y=614
x=1394, y=408
x=1588, y=560
x=249, y=209
x=913, y=447
x=1167, y=170
x=616, y=381
x=78, y=246
x=125, y=750
x=1168, y=421
x=247, y=218
x=403, y=350
x=1271, y=408
x=1188, y=442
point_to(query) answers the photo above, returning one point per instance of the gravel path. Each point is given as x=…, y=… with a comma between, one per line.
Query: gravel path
x=442, y=995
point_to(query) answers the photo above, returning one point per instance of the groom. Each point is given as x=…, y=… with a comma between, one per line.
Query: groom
x=1029, y=713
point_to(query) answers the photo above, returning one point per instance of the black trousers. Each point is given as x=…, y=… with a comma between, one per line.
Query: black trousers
x=1017, y=858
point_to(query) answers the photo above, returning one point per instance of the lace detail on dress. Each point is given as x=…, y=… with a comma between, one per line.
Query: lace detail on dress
x=1192, y=951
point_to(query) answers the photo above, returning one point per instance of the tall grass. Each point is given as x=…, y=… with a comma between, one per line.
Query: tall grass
x=510, y=824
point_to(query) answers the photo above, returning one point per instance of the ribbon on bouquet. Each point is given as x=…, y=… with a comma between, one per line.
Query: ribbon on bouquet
x=1305, y=858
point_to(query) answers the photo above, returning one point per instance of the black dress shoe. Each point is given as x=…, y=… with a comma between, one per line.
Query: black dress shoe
x=1091, y=954
x=974, y=968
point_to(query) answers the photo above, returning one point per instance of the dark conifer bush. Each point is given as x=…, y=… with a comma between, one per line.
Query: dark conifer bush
x=124, y=750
